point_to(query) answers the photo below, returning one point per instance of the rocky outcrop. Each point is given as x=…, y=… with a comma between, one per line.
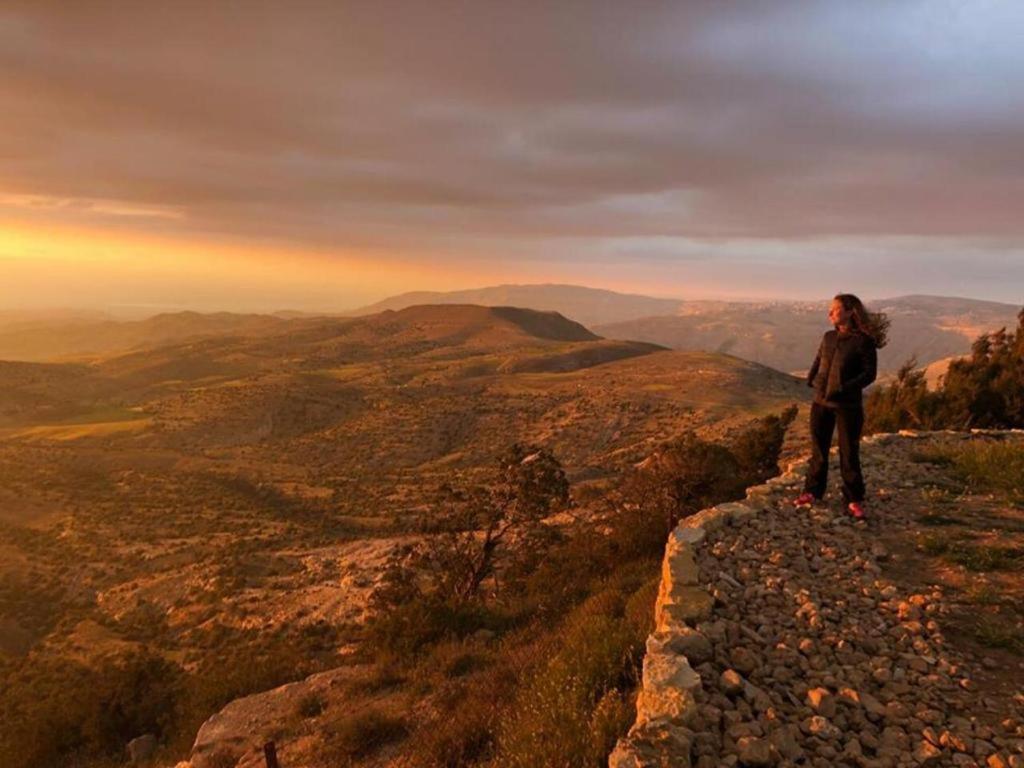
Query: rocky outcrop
x=236, y=734
x=777, y=642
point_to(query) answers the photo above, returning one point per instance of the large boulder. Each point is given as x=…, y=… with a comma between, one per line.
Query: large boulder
x=141, y=748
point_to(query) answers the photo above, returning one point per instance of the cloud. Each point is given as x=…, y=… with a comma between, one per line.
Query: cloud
x=446, y=125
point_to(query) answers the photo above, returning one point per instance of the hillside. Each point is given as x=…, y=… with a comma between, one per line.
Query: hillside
x=81, y=336
x=335, y=424
x=422, y=390
x=234, y=491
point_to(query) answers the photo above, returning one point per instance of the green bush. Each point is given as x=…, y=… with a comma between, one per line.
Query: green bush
x=985, y=389
x=992, y=468
x=401, y=631
x=555, y=686
x=55, y=710
x=757, y=448
x=573, y=707
x=464, y=731
x=683, y=476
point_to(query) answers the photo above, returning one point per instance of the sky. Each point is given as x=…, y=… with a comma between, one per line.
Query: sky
x=323, y=155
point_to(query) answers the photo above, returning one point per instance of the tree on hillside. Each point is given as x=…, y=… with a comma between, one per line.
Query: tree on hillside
x=904, y=403
x=984, y=389
x=678, y=479
x=477, y=524
x=688, y=474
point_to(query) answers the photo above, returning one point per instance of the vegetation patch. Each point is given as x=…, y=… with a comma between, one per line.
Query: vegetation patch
x=992, y=468
x=528, y=638
x=980, y=390
x=974, y=557
x=363, y=735
x=999, y=632
x=934, y=520
x=310, y=705
x=576, y=704
x=934, y=456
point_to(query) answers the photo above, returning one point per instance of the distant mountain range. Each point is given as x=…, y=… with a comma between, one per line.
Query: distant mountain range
x=779, y=334
x=590, y=306
x=785, y=335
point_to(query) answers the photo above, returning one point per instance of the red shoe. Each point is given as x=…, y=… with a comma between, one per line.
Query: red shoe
x=805, y=499
x=856, y=509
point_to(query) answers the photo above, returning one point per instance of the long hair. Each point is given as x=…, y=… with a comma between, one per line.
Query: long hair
x=872, y=324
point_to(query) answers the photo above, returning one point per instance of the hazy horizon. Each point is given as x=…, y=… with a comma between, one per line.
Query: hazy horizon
x=127, y=312
x=321, y=156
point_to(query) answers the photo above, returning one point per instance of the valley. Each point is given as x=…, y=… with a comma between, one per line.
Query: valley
x=239, y=489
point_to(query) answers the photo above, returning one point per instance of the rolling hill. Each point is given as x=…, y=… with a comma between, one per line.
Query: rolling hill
x=82, y=337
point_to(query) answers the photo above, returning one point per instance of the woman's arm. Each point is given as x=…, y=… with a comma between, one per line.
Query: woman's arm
x=868, y=367
x=815, y=365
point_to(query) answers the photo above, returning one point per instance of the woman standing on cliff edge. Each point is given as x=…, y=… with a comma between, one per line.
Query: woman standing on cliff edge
x=846, y=363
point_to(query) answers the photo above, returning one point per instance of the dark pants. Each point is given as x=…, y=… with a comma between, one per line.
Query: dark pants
x=823, y=422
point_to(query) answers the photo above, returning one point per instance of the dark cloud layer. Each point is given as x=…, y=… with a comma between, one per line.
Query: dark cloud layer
x=396, y=124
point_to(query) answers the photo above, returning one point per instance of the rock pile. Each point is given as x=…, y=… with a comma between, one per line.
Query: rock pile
x=780, y=643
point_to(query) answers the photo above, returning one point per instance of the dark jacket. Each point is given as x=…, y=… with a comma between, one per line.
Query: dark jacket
x=844, y=365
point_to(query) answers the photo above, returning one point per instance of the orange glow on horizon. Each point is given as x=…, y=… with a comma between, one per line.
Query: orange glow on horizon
x=34, y=258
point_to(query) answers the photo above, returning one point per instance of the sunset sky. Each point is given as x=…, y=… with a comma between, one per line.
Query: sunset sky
x=319, y=156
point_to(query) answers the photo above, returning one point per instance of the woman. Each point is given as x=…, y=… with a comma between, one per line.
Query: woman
x=846, y=363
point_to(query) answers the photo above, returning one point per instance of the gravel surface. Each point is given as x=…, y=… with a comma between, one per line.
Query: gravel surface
x=819, y=659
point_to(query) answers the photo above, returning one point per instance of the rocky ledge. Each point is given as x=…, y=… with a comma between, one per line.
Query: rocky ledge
x=779, y=642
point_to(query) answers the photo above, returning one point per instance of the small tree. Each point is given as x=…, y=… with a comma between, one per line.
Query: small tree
x=481, y=522
x=984, y=389
x=682, y=477
x=904, y=403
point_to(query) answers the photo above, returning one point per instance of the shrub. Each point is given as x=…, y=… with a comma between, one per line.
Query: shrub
x=401, y=631
x=685, y=475
x=555, y=687
x=905, y=404
x=985, y=389
x=310, y=705
x=362, y=735
x=55, y=709
x=463, y=732
x=571, y=709
x=991, y=468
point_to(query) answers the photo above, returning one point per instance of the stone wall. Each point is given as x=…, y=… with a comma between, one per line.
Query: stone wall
x=666, y=704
